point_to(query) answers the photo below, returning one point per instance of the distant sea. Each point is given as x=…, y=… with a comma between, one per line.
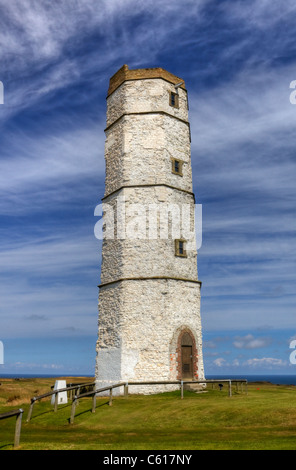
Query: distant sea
x=274, y=379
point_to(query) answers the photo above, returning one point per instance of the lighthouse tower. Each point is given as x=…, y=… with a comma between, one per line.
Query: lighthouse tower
x=149, y=293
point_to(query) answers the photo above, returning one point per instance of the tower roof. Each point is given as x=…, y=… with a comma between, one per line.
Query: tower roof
x=124, y=73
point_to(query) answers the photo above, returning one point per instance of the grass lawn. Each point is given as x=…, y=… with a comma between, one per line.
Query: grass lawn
x=264, y=419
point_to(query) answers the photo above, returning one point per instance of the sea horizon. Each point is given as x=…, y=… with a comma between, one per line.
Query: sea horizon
x=277, y=379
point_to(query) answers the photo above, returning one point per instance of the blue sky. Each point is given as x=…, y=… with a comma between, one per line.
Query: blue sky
x=237, y=59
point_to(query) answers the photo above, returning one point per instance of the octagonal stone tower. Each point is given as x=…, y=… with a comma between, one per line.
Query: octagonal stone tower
x=149, y=297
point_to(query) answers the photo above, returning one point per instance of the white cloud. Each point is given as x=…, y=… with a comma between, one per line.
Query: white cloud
x=266, y=362
x=242, y=137
x=209, y=344
x=50, y=255
x=49, y=285
x=261, y=14
x=242, y=151
x=219, y=362
x=32, y=365
x=250, y=342
x=38, y=171
x=36, y=38
x=253, y=107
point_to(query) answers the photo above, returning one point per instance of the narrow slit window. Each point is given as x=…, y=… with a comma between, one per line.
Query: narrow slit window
x=174, y=100
x=177, y=167
x=180, y=248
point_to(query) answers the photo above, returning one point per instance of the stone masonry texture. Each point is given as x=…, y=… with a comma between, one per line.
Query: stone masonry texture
x=149, y=297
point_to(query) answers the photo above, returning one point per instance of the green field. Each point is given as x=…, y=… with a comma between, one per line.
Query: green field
x=263, y=419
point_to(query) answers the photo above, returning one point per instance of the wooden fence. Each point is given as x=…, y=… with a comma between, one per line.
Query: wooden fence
x=19, y=414
x=56, y=393
x=95, y=392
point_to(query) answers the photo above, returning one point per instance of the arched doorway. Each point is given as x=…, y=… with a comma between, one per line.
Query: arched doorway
x=186, y=356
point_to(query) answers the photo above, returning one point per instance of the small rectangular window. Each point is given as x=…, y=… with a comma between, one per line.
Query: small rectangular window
x=180, y=248
x=174, y=100
x=177, y=166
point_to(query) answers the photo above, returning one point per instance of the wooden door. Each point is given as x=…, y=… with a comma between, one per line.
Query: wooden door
x=187, y=368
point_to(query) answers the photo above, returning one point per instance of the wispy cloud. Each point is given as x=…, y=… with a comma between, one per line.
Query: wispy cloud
x=251, y=365
x=250, y=342
x=219, y=362
x=243, y=161
x=47, y=46
x=49, y=280
x=251, y=107
x=260, y=13
x=35, y=365
x=50, y=255
x=266, y=363
x=36, y=169
x=56, y=60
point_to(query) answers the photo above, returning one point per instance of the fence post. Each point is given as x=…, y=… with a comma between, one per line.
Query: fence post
x=126, y=389
x=74, y=403
x=229, y=388
x=31, y=409
x=94, y=402
x=78, y=392
x=182, y=390
x=56, y=396
x=18, y=426
x=110, y=399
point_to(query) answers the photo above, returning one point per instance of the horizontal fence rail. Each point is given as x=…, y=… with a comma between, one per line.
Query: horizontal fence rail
x=19, y=414
x=95, y=392
x=71, y=387
x=56, y=392
x=94, y=395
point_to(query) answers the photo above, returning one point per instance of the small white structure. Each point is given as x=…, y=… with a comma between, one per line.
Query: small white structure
x=62, y=396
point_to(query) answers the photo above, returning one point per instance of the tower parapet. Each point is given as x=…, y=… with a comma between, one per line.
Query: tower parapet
x=124, y=74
